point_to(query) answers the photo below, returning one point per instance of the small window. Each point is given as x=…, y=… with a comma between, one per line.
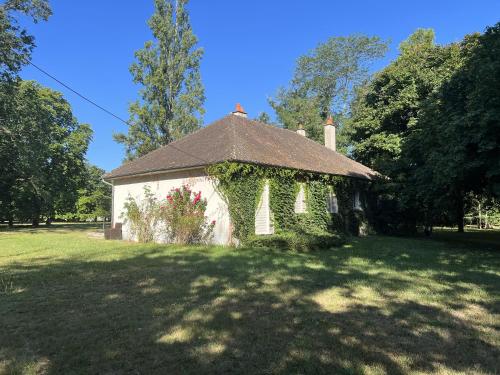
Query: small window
x=331, y=203
x=300, y=201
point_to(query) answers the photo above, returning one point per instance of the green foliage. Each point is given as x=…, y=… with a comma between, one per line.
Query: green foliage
x=264, y=118
x=430, y=122
x=143, y=216
x=300, y=242
x=180, y=218
x=283, y=191
x=294, y=110
x=184, y=216
x=94, y=199
x=16, y=44
x=241, y=185
x=318, y=217
x=168, y=69
x=42, y=153
x=387, y=115
x=324, y=82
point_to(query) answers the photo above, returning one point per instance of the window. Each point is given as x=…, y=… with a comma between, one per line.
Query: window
x=300, y=201
x=331, y=203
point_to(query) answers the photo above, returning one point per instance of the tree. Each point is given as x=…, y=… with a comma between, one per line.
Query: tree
x=264, y=118
x=324, y=82
x=387, y=121
x=94, y=198
x=46, y=149
x=16, y=44
x=460, y=126
x=172, y=94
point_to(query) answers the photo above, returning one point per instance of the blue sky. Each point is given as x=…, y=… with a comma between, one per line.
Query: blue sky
x=250, y=48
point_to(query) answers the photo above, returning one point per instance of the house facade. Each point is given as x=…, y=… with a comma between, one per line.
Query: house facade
x=234, y=138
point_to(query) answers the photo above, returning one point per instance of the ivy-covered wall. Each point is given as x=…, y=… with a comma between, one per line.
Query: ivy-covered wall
x=241, y=185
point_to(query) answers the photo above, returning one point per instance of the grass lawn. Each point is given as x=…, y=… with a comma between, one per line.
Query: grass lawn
x=74, y=304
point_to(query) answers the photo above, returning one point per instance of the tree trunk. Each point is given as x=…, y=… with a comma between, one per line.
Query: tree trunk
x=11, y=222
x=35, y=221
x=460, y=213
x=479, y=216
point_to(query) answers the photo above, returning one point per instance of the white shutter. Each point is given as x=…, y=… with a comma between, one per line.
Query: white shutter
x=300, y=201
x=357, y=201
x=332, y=203
x=262, y=214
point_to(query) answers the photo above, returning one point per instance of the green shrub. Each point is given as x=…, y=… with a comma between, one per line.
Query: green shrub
x=183, y=213
x=300, y=242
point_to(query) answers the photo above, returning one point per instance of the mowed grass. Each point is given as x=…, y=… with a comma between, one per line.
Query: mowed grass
x=70, y=304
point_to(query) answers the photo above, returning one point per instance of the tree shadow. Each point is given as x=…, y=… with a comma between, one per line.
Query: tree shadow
x=242, y=311
x=56, y=227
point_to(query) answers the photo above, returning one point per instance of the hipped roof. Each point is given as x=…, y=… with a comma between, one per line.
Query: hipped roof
x=239, y=139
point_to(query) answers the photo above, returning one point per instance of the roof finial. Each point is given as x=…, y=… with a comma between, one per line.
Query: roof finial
x=329, y=121
x=239, y=111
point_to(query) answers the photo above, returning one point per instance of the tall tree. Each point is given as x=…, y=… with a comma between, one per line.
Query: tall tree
x=16, y=43
x=325, y=80
x=388, y=132
x=47, y=147
x=460, y=128
x=168, y=69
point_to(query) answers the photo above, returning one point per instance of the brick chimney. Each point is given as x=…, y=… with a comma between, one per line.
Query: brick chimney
x=239, y=111
x=330, y=134
x=301, y=130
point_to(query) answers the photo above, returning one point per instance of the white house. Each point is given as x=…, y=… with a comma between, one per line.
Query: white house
x=232, y=138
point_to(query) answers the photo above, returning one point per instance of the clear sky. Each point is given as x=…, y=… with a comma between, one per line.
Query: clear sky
x=250, y=48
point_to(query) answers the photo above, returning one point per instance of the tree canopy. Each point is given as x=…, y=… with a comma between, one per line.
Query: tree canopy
x=324, y=81
x=168, y=70
x=16, y=44
x=42, y=153
x=430, y=122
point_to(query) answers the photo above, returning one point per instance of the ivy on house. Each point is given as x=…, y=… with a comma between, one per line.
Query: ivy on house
x=283, y=190
x=241, y=185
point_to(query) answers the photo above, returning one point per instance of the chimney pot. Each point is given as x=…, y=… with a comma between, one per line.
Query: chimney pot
x=330, y=134
x=239, y=111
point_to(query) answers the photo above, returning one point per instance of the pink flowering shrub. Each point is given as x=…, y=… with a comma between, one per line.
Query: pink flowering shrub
x=183, y=213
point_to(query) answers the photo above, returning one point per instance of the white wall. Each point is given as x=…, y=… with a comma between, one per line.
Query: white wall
x=161, y=184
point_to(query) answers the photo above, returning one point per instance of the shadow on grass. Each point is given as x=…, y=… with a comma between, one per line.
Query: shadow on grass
x=54, y=227
x=244, y=311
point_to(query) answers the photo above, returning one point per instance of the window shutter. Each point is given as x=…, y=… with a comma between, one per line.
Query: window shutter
x=263, y=223
x=332, y=203
x=300, y=201
x=357, y=201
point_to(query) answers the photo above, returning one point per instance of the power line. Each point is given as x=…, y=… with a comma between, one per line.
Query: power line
x=80, y=95
x=102, y=108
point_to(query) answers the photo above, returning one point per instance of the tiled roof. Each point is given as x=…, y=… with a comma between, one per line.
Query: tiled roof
x=236, y=138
